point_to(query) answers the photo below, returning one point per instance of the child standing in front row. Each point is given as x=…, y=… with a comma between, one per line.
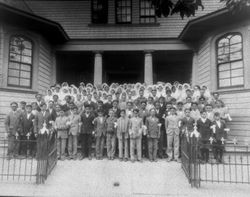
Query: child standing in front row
x=61, y=126
x=173, y=131
x=111, y=135
x=100, y=126
x=204, y=128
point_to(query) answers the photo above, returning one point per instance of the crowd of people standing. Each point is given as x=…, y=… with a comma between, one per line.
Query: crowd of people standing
x=133, y=120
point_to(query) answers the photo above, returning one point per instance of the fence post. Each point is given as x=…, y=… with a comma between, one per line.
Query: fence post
x=194, y=164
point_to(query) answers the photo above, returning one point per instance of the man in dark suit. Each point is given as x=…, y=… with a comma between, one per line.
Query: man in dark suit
x=115, y=108
x=159, y=114
x=90, y=103
x=13, y=129
x=42, y=117
x=27, y=146
x=108, y=105
x=87, y=128
x=52, y=110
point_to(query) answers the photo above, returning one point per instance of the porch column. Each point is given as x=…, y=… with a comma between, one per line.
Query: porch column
x=148, y=68
x=98, y=68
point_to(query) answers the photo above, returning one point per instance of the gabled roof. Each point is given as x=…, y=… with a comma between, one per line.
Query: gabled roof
x=49, y=29
x=198, y=27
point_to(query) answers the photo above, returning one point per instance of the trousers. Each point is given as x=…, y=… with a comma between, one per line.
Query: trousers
x=111, y=144
x=173, y=145
x=135, y=144
x=152, y=148
x=72, y=145
x=99, y=146
x=61, y=147
x=123, y=147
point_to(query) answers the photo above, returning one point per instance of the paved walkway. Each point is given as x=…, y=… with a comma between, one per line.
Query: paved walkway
x=97, y=178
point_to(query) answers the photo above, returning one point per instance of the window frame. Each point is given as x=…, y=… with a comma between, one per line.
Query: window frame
x=230, y=62
x=19, y=62
x=145, y=16
x=116, y=14
x=105, y=9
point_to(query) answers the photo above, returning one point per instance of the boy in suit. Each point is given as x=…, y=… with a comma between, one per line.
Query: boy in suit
x=13, y=127
x=187, y=123
x=61, y=126
x=28, y=146
x=100, y=127
x=204, y=128
x=153, y=134
x=135, y=132
x=87, y=128
x=74, y=130
x=123, y=135
x=143, y=114
x=111, y=135
x=220, y=135
x=172, y=130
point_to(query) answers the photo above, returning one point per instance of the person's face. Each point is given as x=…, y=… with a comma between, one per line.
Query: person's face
x=143, y=105
x=141, y=93
x=75, y=111
x=109, y=98
x=49, y=93
x=204, y=115
x=100, y=114
x=14, y=107
x=57, y=108
x=180, y=106
x=115, y=104
x=79, y=97
x=129, y=105
x=150, y=100
x=89, y=97
x=172, y=111
x=87, y=109
x=154, y=92
x=157, y=105
x=61, y=113
x=43, y=108
x=111, y=113
x=50, y=105
x=188, y=100
x=123, y=97
x=38, y=97
x=28, y=109
x=152, y=112
x=71, y=106
x=135, y=113
x=187, y=113
x=194, y=106
x=57, y=89
x=100, y=104
x=122, y=114
x=55, y=98
x=22, y=105
x=216, y=96
x=202, y=91
x=34, y=106
x=217, y=118
x=209, y=108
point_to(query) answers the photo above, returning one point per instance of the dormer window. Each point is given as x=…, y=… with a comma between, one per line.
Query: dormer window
x=99, y=11
x=123, y=11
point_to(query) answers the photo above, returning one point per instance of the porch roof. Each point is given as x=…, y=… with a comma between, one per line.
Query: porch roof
x=49, y=29
x=198, y=27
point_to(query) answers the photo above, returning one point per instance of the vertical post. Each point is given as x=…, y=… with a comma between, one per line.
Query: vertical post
x=98, y=68
x=148, y=68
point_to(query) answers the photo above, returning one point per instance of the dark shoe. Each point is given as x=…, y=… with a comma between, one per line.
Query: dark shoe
x=169, y=159
x=132, y=160
x=120, y=159
x=112, y=158
x=126, y=159
x=90, y=158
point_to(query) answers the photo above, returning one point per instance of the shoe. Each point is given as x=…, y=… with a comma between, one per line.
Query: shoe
x=126, y=159
x=112, y=158
x=120, y=159
x=155, y=160
x=132, y=160
x=90, y=158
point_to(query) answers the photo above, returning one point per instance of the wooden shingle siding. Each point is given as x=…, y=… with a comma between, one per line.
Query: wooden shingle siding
x=45, y=66
x=239, y=107
x=203, y=70
x=1, y=53
x=6, y=98
x=75, y=17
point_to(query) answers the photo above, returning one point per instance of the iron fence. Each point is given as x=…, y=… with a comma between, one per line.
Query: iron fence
x=29, y=159
x=215, y=162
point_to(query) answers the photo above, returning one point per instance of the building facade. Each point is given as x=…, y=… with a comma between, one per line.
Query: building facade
x=44, y=42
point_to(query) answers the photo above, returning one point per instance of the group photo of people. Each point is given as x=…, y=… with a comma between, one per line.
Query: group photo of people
x=129, y=122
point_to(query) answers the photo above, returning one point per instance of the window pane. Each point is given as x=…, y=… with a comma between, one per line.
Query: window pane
x=26, y=59
x=25, y=67
x=223, y=42
x=235, y=47
x=238, y=64
x=25, y=74
x=224, y=67
x=15, y=57
x=14, y=73
x=236, y=39
x=24, y=82
x=15, y=49
x=14, y=65
x=224, y=82
x=238, y=72
x=223, y=50
x=224, y=74
x=13, y=81
x=26, y=52
x=27, y=44
x=237, y=81
x=223, y=58
x=235, y=56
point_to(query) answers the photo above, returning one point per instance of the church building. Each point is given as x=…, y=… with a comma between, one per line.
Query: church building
x=43, y=42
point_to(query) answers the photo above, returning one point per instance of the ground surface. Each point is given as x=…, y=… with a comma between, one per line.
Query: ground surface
x=97, y=178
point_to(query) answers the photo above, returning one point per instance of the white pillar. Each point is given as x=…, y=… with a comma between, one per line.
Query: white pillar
x=98, y=68
x=148, y=68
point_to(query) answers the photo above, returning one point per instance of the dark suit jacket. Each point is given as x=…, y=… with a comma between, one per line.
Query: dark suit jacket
x=53, y=115
x=13, y=123
x=40, y=119
x=87, y=123
x=220, y=132
x=92, y=104
x=106, y=107
x=204, y=129
x=187, y=124
x=28, y=124
x=117, y=113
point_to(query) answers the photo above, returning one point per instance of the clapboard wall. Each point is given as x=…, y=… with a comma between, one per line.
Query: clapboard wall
x=205, y=73
x=43, y=70
x=75, y=17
